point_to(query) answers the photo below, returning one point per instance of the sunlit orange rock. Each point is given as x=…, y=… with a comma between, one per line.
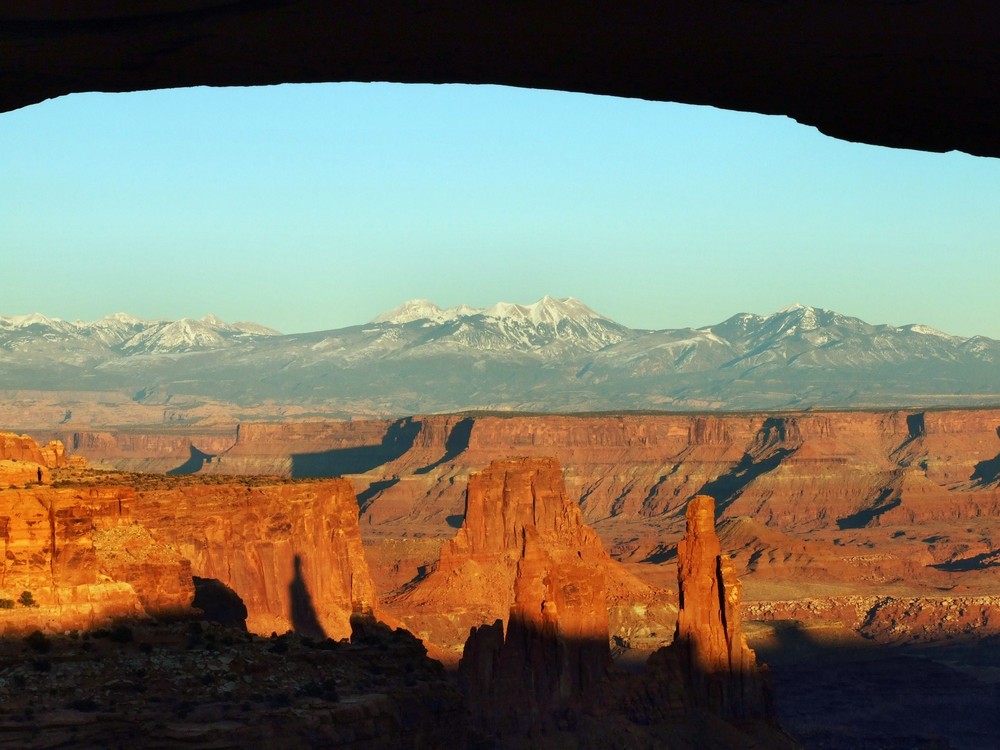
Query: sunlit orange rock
x=555, y=649
x=720, y=668
x=74, y=559
x=291, y=551
x=523, y=541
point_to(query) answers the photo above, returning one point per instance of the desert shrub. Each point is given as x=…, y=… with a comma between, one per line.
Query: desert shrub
x=6, y=604
x=121, y=634
x=38, y=642
x=27, y=599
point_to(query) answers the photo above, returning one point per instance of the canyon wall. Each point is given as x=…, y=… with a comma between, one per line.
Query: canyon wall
x=75, y=559
x=291, y=551
x=791, y=470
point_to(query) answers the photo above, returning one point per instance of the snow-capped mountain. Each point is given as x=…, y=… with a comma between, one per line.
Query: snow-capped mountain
x=123, y=334
x=548, y=328
x=551, y=355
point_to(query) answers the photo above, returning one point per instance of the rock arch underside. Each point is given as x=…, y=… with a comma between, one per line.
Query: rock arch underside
x=921, y=74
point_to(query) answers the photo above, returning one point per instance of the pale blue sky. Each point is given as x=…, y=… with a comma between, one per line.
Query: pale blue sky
x=317, y=206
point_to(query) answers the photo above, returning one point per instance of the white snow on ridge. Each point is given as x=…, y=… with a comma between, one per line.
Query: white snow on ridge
x=928, y=331
x=414, y=309
x=23, y=321
x=548, y=310
x=794, y=307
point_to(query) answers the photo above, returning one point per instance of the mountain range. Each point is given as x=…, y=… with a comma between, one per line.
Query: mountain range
x=553, y=355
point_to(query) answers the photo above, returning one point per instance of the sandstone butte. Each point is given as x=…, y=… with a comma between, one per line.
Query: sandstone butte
x=526, y=542
x=550, y=667
x=522, y=542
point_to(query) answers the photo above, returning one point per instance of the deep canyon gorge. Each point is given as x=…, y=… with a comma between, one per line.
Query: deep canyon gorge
x=864, y=544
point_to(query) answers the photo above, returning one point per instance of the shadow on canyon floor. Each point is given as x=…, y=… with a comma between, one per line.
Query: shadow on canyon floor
x=987, y=472
x=398, y=440
x=728, y=487
x=857, y=694
x=194, y=464
x=888, y=499
x=457, y=442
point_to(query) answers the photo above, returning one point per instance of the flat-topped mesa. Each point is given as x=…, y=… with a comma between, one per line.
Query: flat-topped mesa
x=721, y=670
x=556, y=647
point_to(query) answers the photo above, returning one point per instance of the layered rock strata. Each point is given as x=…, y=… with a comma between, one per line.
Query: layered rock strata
x=720, y=669
x=291, y=551
x=523, y=542
x=825, y=470
x=73, y=558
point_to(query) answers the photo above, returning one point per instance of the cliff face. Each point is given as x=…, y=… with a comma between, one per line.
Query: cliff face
x=23, y=461
x=525, y=557
x=83, y=561
x=292, y=552
x=899, y=498
x=720, y=668
x=815, y=470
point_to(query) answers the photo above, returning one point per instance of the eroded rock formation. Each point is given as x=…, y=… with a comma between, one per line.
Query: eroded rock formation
x=73, y=558
x=523, y=542
x=291, y=551
x=720, y=669
x=24, y=462
x=555, y=649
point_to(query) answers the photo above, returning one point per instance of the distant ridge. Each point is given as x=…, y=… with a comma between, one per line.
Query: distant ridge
x=550, y=355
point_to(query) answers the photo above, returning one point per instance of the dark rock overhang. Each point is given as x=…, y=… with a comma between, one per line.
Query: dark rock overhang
x=921, y=74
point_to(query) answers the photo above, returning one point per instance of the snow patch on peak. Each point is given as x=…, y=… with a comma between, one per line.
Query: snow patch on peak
x=215, y=321
x=121, y=317
x=31, y=319
x=546, y=311
x=794, y=307
x=414, y=309
x=928, y=331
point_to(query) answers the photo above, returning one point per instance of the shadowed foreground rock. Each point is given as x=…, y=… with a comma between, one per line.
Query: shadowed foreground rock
x=548, y=680
x=201, y=686
x=910, y=74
